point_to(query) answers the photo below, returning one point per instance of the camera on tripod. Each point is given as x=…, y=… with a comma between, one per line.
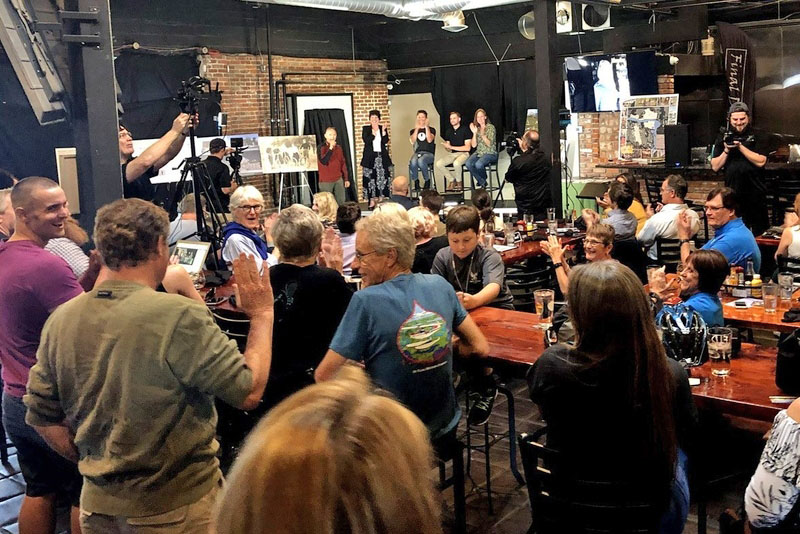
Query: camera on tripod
x=192, y=91
x=511, y=144
x=235, y=158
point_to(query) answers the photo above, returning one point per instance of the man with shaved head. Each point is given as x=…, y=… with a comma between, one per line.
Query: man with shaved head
x=400, y=193
x=33, y=283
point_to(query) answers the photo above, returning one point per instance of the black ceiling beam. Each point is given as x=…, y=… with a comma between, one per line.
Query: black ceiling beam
x=691, y=24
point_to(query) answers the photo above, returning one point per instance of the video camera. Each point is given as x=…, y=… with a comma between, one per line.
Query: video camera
x=191, y=92
x=730, y=137
x=511, y=144
x=235, y=158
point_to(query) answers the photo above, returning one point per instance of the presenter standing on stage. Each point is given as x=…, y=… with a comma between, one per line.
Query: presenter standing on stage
x=484, y=141
x=375, y=162
x=735, y=153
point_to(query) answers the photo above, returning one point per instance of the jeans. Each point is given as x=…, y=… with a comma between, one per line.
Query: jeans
x=674, y=519
x=420, y=162
x=477, y=166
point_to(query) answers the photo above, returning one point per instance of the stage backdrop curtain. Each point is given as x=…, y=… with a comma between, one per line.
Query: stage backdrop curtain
x=149, y=84
x=518, y=86
x=316, y=121
x=465, y=89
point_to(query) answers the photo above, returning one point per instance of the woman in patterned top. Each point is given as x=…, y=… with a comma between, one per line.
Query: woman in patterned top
x=484, y=141
x=772, y=498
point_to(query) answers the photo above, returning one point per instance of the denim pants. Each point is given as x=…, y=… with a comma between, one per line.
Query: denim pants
x=674, y=519
x=477, y=166
x=420, y=162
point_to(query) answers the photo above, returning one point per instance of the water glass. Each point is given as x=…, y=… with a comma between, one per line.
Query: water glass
x=720, y=342
x=487, y=239
x=785, y=281
x=198, y=279
x=771, y=292
x=545, y=305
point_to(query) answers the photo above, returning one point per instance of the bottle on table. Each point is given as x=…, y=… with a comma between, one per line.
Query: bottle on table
x=749, y=271
x=756, y=287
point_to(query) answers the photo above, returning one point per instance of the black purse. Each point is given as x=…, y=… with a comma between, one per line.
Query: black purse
x=787, y=368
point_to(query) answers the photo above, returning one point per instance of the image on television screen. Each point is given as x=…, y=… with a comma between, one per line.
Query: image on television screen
x=600, y=83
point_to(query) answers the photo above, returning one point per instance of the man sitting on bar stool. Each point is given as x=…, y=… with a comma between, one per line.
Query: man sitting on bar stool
x=406, y=322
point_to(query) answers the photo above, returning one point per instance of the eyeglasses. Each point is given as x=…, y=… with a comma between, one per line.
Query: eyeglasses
x=360, y=256
x=256, y=208
x=712, y=208
x=591, y=241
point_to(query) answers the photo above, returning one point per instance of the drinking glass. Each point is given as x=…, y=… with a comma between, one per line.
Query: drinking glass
x=487, y=239
x=719, y=350
x=771, y=292
x=198, y=279
x=545, y=304
x=656, y=278
x=785, y=281
x=529, y=223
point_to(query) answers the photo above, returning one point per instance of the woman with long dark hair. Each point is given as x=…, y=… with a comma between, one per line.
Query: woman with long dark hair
x=483, y=202
x=615, y=406
x=375, y=162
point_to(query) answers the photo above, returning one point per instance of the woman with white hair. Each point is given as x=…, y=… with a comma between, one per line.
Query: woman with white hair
x=240, y=235
x=424, y=223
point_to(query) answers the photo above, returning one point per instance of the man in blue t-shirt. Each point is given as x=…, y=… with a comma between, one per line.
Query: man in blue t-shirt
x=731, y=236
x=404, y=324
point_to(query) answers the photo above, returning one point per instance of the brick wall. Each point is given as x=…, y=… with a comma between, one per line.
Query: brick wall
x=599, y=140
x=244, y=80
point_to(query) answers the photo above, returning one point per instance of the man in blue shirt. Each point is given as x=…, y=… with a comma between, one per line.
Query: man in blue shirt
x=401, y=324
x=731, y=236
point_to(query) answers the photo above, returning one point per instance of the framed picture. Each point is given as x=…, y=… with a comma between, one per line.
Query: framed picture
x=191, y=255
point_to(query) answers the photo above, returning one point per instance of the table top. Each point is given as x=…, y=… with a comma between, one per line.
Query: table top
x=529, y=249
x=768, y=241
x=756, y=317
x=514, y=337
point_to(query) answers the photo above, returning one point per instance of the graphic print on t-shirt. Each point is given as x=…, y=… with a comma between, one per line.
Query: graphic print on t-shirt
x=423, y=338
x=422, y=136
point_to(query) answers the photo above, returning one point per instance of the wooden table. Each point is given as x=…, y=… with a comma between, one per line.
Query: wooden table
x=768, y=241
x=755, y=317
x=529, y=249
x=514, y=337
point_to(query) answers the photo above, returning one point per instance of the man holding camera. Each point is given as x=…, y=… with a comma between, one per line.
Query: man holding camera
x=735, y=152
x=219, y=174
x=530, y=174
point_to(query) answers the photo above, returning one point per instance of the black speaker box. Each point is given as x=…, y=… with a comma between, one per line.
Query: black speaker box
x=676, y=145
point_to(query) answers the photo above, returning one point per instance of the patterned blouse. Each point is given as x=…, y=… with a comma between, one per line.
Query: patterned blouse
x=483, y=149
x=775, y=487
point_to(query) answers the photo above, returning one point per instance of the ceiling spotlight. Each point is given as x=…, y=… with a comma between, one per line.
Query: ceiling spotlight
x=454, y=21
x=525, y=26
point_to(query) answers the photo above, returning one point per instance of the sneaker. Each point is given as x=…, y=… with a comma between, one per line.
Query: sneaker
x=481, y=403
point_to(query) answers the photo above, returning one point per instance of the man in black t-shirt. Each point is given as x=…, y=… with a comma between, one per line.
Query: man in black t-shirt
x=137, y=171
x=735, y=151
x=219, y=174
x=421, y=138
x=530, y=174
x=457, y=140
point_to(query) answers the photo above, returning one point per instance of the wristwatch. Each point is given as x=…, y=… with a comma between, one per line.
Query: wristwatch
x=682, y=241
x=557, y=265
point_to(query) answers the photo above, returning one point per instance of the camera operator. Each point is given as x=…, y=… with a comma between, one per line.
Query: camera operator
x=137, y=171
x=530, y=174
x=219, y=173
x=735, y=152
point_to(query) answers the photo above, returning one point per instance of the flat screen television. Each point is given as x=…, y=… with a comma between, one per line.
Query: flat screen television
x=600, y=83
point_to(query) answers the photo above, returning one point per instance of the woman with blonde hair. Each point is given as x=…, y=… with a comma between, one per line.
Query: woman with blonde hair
x=335, y=457
x=424, y=223
x=790, y=238
x=325, y=206
x=484, y=141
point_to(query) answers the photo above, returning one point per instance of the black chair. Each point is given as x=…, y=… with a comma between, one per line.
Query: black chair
x=630, y=254
x=449, y=449
x=703, y=235
x=785, y=188
x=522, y=283
x=652, y=183
x=668, y=253
x=788, y=265
x=561, y=502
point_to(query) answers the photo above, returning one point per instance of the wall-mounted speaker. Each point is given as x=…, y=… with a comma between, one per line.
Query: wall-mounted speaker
x=564, y=17
x=594, y=17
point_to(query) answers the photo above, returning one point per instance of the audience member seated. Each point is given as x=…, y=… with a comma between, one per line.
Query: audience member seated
x=347, y=216
x=424, y=225
x=325, y=207
x=400, y=193
x=239, y=236
x=335, y=457
x=616, y=408
x=772, y=497
x=597, y=246
x=731, y=236
x=479, y=278
x=636, y=207
x=33, y=283
x=790, y=238
x=484, y=141
x=662, y=223
x=68, y=248
x=184, y=227
x=6, y=215
x=125, y=380
x=310, y=301
x=400, y=326
x=703, y=275
x=623, y=221
x=483, y=203
x=432, y=201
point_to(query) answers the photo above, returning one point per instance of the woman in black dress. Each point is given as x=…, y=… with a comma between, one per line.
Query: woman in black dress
x=375, y=162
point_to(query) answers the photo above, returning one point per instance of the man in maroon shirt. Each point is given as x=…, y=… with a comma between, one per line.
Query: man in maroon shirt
x=332, y=167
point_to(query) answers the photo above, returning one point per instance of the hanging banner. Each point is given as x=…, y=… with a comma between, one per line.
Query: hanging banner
x=739, y=64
